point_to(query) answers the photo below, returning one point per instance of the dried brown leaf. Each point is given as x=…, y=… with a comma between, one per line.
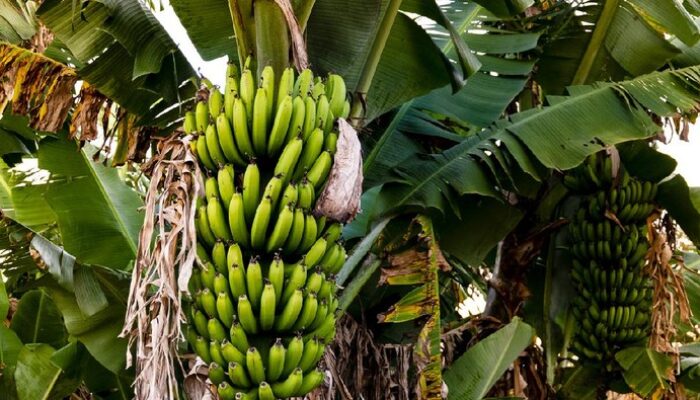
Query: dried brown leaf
x=165, y=258
x=301, y=58
x=84, y=122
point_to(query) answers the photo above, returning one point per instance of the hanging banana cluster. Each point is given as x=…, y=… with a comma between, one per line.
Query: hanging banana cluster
x=264, y=300
x=614, y=292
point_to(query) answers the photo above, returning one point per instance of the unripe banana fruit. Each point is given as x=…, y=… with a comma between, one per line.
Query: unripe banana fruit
x=264, y=297
x=612, y=306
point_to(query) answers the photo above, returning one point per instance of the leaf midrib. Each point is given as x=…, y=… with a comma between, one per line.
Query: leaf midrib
x=406, y=106
x=109, y=202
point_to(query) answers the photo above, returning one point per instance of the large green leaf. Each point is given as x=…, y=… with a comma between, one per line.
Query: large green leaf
x=610, y=113
x=645, y=370
x=14, y=26
x=682, y=203
x=99, y=332
x=340, y=35
x=209, y=26
x=37, y=378
x=476, y=213
x=690, y=366
x=37, y=320
x=472, y=374
x=434, y=11
x=10, y=346
x=4, y=300
x=121, y=49
x=505, y=67
x=505, y=8
x=79, y=279
x=635, y=38
x=98, y=214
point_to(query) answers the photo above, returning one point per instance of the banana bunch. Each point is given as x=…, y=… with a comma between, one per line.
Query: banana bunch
x=264, y=296
x=614, y=293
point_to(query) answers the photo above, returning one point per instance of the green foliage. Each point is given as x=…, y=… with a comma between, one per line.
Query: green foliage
x=88, y=197
x=645, y=370
x=472, y=375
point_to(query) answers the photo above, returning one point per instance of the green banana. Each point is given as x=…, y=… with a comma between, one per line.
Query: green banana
x=267, y=82
x=215, y=352
x=237, y=280
x=239, y=338
x=216, y=102
x=316, y=252
x=247, y=93
x=296, y=233
x=230, y=90
x=320, y=169
x=201, y=112
x=203, y=153
x=302, y=86
x=227, y=140
x=237, y=220
x=307, y=195
x=258, y=231
x=275, y=275
x=238, y=375
x=215, y=152
x=308, y=312
x=268, y=305
x=260, y=122
x=216, y=373
x=200, y=324
x=226, y=184
x=254, y=282
x=290, y=312
x=289, y=196
x=226, y=392
x=310, y=349
x=309, y=117
x=337, y=89
x=254, y=365
x=231, y=353
x=201, y=347
x=216, y=215
x=240, y=128
x=216, y=330
x=313, y=146
x=286, y=85
x=273, y=190
x=311, y=381
x=251, y=190
x=280, y=126
x=290, y=386
x=280, y=232
x=275, y=360
x=224, y=308
x=246, y=317
x=190, y=124
x=310, y=233
x=288, y=159
x=265, y=392
x=218, y=255
x=296, y=124
x=208, y=304
x=296, y=281
x=295, y=350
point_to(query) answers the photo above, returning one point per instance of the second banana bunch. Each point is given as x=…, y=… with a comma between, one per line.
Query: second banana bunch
x=609, y=246
x=264, y=295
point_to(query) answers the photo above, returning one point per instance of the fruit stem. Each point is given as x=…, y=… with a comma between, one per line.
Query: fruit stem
x=372, y=62
x=239, y=10
x=271, y=36
x=596, y=42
